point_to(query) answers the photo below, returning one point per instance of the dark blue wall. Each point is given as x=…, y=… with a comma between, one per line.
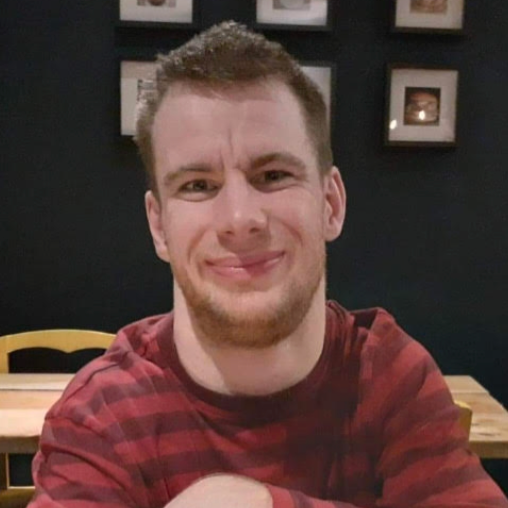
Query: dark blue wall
x=426, y=233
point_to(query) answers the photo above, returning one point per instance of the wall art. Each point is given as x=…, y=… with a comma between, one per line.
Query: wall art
x=294, y=14
x=421, y=106
x=428, y=16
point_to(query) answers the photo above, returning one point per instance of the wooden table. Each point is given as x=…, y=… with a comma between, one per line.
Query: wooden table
x=25, y=398
x=489, y=429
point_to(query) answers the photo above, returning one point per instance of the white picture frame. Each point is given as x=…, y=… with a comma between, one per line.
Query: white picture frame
x=134, y=75
x=165, y=12
x=324, y=76
x=428, y=16
x=294, y=14
x=421, y=106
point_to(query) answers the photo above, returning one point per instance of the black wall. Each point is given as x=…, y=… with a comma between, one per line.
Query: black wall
x=426, y=232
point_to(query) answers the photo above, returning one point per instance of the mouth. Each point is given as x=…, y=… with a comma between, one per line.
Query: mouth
x=245, y=267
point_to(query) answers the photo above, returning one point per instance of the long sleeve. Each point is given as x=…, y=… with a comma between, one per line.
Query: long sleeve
x=76, y=467
x=128, y=433
x=406, y=414
x=406, y=417
x=425, y=460
x=424, y=463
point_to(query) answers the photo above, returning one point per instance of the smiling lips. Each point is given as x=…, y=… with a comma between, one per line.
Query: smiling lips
x=245, y=267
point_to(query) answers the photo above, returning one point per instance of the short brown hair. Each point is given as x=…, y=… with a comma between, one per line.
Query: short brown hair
x=227, y=55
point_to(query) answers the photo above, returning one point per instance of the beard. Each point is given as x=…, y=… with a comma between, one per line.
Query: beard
x=252, y=319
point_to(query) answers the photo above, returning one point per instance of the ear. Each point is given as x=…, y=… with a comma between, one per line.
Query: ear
x=154, y=216
x=335, y=204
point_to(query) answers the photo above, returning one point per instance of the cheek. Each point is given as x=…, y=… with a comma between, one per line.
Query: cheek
x=305, y=220
x=184, y=231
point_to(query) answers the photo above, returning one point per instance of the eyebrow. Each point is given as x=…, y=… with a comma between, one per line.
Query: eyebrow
x=284, y=157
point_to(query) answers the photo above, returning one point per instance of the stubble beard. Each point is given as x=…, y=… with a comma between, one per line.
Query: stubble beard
x=229, y=322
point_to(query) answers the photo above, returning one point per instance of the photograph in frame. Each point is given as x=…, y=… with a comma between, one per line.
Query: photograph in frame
x=174, y=12
x=323, y=75
x=428, y=16
x=293, y=14
x=421, y=106
x=135, y=78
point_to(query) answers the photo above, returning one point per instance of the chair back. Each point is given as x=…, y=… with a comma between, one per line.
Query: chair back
x=63, y=340
x=67, y=341
x=465, y=415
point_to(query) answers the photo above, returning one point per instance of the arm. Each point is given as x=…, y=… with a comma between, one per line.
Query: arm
x=422, y=461
x=76, y=467
x=423, y=458
x=223, y=491
x=406, y=414
x=234, y=491
x=420, y=451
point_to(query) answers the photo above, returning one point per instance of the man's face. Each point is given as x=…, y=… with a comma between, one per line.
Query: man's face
x=243, y=213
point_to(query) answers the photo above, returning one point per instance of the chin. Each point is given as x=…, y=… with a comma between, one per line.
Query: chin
x=250, y=319
x=248, y=305
x=256, y=314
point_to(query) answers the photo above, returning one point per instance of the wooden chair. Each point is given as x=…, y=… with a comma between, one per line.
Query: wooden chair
x=67, y=341
x=465, y=415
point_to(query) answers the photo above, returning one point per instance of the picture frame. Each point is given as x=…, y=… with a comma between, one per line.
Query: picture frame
x=421, y=106
x=293, y=14
x=158, y=13
x=135, y=75
x=323, y=74
x=428, y=16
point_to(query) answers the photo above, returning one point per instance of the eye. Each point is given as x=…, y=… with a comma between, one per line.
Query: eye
x=196, y=186
x=198, y=189
x=275, y=175
x=272, y=179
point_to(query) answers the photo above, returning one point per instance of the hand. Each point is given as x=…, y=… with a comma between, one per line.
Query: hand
x=223, y=491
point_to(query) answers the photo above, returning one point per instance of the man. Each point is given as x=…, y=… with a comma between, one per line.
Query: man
x=253, y=392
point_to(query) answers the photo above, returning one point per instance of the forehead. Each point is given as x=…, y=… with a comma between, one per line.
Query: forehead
x=262, y=90
x=261, y=116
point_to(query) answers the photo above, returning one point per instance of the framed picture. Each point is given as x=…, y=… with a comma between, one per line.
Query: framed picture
x=164, y=13
x=323, y=74
x=135, y=76
x=421, y=106
x=294, y=14
x=428, y=16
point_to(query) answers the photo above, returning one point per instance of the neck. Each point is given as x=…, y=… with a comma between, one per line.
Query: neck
x=235, y=371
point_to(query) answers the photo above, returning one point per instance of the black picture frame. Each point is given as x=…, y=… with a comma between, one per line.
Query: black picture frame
x=300, y=15
x=421, y=106
x=439, y=17
x=172, y=14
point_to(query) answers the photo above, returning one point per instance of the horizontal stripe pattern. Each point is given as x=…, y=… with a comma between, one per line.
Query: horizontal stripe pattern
x=373, y=426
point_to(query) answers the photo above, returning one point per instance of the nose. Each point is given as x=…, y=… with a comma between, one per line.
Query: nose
x=239, y=212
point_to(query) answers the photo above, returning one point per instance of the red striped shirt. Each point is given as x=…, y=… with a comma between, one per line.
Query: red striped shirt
x=372, y=425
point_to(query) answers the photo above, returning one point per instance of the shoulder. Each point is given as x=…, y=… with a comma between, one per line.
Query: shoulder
x=399, y=381
x=131, y=369
x=373, y=333
x=390, y=364
x=388, y=350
